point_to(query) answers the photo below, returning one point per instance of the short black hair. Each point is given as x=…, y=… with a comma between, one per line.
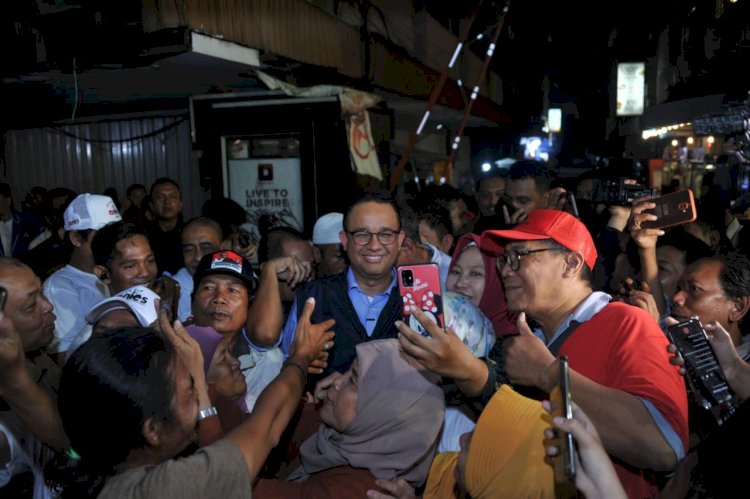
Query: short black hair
x=529, y=168
x=163, y=180
x=272, y=241
x=376, y=196
x=105, y=240
x=587, y=273
x=5, y=190
x=134, y=187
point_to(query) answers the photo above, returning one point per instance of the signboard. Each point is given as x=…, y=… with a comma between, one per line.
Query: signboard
x=266, y=186
x=630, y=88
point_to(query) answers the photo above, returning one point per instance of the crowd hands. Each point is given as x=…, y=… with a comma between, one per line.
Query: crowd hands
x=611, y=426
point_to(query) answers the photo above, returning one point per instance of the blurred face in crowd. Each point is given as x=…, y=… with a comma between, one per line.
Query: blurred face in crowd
x=340, y=400
x=459, y=214
x=332, y=259
x=699, y=293
x=133, y=264
x=490, y=191
x=467, y=276
x=524, y=194
x=671, y=263
x=136, y=196
x=430, y=236
x=224, y=372
x=27, y=310
x=182, y=430
x=221, y=302
x=374, y=260
x=166, y=201
x=197, y=241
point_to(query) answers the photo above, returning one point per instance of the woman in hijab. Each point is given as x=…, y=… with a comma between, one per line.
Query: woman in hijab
x=473, y=273
x=380, y=419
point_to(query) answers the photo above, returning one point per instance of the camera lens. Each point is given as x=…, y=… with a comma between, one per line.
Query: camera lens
x=407, y=276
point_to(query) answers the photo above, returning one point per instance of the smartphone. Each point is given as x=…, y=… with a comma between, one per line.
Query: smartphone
x=168, y=290
x=506, y=201
x=419, y=285
x=570, y=199
x=672, y=209
x=706, y=379
x=564, y=462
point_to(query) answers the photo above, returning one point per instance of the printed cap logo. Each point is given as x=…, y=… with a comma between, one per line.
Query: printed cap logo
x=228, y=260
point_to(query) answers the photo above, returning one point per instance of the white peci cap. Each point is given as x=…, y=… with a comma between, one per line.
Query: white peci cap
x=90, y=211
x=327, y=228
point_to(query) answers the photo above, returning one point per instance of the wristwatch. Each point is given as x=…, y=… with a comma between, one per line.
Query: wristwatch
x=207, y=413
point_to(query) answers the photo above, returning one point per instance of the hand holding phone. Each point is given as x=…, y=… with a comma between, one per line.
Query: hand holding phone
x=419, y=286
x=672, y=209
x=169, y=293
x=705, y=377
x=562, y=406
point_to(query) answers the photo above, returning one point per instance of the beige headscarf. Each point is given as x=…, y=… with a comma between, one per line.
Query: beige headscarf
x=395, y=432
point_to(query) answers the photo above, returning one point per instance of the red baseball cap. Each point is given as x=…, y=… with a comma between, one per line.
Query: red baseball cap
x=545, y=224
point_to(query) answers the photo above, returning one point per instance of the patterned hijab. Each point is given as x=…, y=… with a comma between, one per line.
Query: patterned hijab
x=493, y=303
x=395, y=432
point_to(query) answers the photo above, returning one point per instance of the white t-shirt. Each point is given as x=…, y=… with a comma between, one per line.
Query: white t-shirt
x=184, y=307
x=73, y=293
x=26, y=453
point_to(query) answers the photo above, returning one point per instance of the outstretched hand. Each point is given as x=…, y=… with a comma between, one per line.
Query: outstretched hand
x=311, y=340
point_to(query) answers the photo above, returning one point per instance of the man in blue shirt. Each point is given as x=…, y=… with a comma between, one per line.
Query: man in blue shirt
x=364, y=300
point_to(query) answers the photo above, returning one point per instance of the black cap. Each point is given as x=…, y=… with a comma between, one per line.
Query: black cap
x=228, y=263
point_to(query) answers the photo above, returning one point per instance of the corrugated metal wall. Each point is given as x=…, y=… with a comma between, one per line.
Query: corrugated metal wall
x=90, y=157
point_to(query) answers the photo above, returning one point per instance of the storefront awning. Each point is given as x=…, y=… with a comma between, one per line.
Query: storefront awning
x=681, y=111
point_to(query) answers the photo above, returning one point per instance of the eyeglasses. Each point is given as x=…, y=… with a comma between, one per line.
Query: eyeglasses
x=363, y=237
x=512, y=258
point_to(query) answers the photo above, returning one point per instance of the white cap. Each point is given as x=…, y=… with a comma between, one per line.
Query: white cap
x=327, y=228
x=138, y=299
x=90, y=211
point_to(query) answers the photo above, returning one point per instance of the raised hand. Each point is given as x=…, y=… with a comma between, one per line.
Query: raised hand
x=311, y=340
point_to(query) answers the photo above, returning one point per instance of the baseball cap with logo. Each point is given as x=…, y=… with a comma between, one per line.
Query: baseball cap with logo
x=545, y=224
x=228, y=263
x=138, y=299
x=90, y=211
x=326, y=229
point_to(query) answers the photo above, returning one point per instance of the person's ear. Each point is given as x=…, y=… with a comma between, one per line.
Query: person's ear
x=343, y=238
x=740, y=306
x=75, y=238
x=573, y=264
x=102, y=273
x=151, y=432
x=407, y=247
x=447, y=243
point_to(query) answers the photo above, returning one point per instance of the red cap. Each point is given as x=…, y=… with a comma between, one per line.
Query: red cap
x=546, y=224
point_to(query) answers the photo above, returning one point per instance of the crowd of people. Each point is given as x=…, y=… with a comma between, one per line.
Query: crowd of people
x=144, y=355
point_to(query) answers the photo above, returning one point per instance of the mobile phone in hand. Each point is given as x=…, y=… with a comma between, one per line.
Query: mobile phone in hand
x=672, y=209
x=706, y=379
x=419, y=286
x=564, y=462
x=168, y=290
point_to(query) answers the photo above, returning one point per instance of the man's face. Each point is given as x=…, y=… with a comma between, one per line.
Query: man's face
x=221, y=301
x=671, y=263
x=166, y=202
x=490, y=191
x=197, y=241
x=136, y=196
x=459, y=212
x=699, y=292
x=430, y=236
x=374, y=260
x=27, y=309
x=535, y=287
x=133, y=264
x=332, y=259
x=224, y=372
x=524, y=194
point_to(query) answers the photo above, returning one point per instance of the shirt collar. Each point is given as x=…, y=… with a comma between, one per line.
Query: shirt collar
x=352, y=284
x=589, y=307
